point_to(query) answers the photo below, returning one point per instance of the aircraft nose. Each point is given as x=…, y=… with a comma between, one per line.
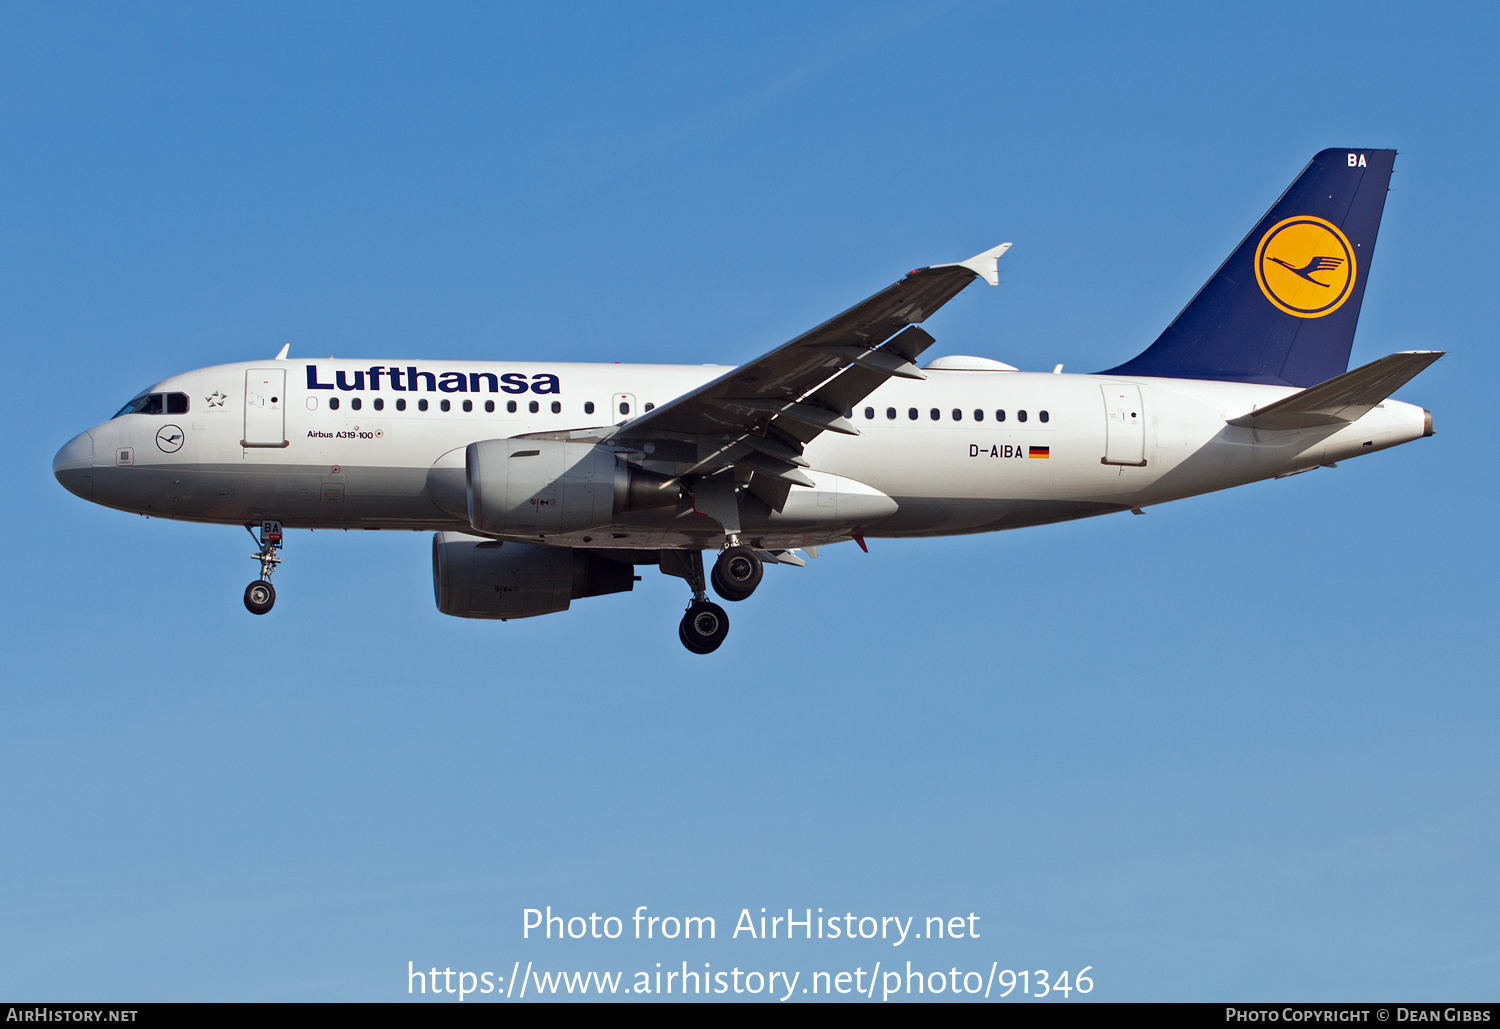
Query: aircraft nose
x=74, y=466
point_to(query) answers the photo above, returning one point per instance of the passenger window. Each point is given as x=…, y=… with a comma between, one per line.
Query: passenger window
x=588, y=407
x=557, y=407
x=422, y=404
x=649, y=406
x=177, y=403
x=958, y=415
x=445, y=405
x=911, y=413
x=379, y=404
x=510, y=406
x=356, y=403
x=333, y=403
x=533, y=407
x=978, y=415
x=936, y=414
x=869, y=413
x=1020, y=416
x=890, y=412
x=1043, y=415
x=489, y=407
x=468, y=405
x=624, y=407
x=401, y=404
x=1000, y=416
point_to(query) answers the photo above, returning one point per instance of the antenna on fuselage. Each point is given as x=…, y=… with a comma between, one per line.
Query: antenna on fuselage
x=281, y=354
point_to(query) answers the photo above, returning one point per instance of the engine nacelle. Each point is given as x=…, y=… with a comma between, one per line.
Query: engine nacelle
x=474, y=577
x=535, y=487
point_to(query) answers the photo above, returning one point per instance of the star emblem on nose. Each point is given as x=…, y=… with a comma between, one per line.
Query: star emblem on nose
x=216, y=399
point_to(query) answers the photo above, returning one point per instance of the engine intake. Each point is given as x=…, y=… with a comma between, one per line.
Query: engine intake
x=480, y=578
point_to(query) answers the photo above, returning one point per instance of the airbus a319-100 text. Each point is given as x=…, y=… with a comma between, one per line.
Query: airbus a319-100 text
x=547, y=482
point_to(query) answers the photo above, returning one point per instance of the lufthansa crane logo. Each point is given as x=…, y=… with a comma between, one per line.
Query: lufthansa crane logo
x=1305, y=266
x=169, y=439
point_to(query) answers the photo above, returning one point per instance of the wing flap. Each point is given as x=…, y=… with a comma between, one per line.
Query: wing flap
x=764, y=465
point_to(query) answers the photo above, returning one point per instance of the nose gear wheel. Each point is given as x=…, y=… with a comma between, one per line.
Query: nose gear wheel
x=260, y=596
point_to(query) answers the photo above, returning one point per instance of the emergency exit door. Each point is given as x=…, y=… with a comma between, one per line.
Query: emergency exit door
x=1124, y=424
x=265, y=407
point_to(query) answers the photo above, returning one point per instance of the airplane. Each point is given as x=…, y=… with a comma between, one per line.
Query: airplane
x=546, y=482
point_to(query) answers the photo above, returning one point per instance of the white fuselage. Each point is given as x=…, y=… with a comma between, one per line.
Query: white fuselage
x=1108, y=443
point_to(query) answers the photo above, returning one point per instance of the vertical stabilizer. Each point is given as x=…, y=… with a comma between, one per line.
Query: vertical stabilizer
x=1283, y=308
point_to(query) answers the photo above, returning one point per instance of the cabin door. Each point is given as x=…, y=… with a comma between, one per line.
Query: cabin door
x=265, y=407
x=1124, y=424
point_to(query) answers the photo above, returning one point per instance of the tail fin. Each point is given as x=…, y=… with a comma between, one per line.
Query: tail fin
x=1282, y=310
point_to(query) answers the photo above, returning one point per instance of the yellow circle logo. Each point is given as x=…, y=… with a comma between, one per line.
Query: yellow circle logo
x=1305, y=266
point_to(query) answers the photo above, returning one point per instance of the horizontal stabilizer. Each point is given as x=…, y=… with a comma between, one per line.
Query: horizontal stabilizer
x=1343, y=398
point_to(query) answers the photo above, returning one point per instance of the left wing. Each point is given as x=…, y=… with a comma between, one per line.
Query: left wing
x=758, y=417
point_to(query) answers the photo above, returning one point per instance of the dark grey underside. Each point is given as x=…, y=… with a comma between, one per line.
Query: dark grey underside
x=399, y=499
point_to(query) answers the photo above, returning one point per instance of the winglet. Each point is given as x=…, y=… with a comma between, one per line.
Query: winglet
x=281, y=354
x=985, y=265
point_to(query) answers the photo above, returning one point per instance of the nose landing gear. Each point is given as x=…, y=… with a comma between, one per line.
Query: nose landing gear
x=260, y=595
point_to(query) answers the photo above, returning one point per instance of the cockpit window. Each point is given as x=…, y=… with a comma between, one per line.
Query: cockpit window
x=156, y=403
x=140, y=404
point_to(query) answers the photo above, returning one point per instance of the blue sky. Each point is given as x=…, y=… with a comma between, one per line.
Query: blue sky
x=1242, y=747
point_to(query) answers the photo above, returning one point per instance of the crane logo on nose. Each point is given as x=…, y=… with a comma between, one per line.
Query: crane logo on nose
x=169, y=438
x=1305, y=266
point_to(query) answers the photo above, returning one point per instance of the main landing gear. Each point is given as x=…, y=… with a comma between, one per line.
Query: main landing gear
x=737, y=572
x=704, y=627
x=260, y=595
x=735, y=575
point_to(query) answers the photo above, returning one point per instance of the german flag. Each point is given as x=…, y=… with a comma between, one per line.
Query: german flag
x=1042, y=452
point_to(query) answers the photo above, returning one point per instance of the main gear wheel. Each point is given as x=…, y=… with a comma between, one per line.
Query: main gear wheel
x=704, y=627
x=737, y=572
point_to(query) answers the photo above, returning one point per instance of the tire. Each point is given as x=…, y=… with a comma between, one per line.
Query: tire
x=704, y=627
x=736, y=573
x=260, y=597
